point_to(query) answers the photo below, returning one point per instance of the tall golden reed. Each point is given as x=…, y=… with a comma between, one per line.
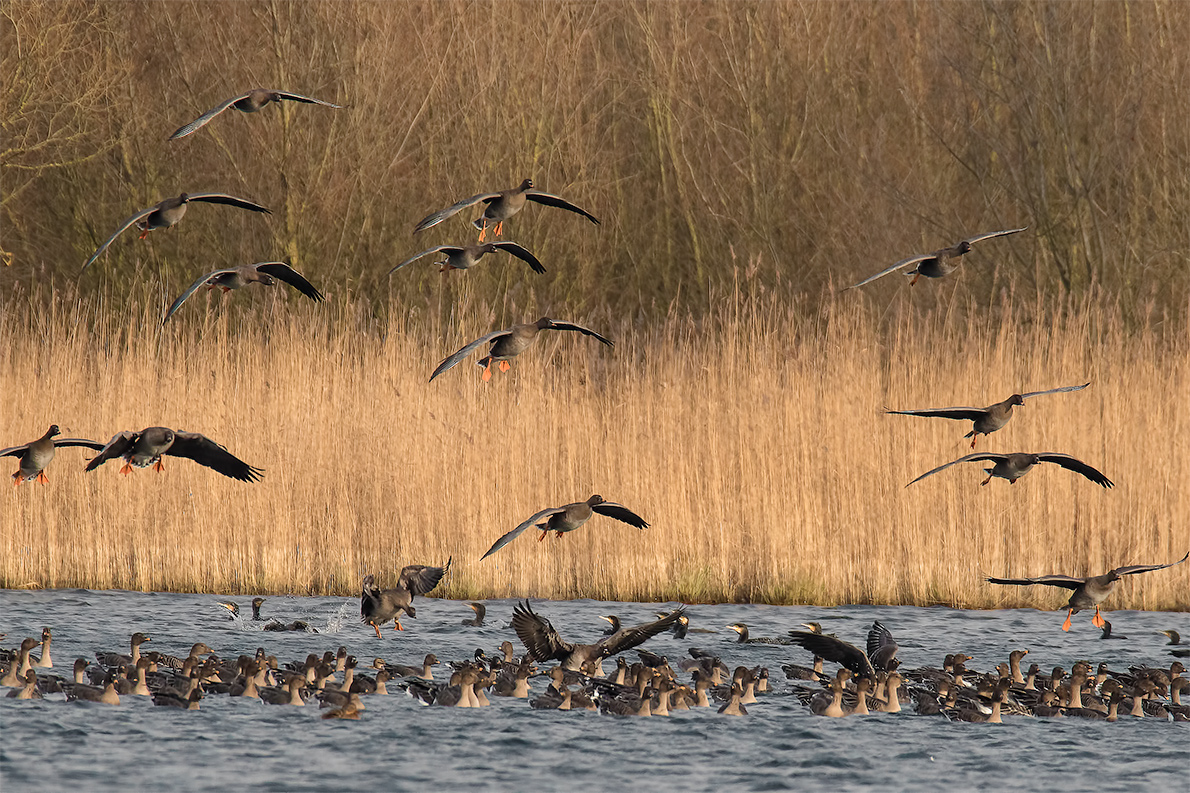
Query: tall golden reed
x=751, y=439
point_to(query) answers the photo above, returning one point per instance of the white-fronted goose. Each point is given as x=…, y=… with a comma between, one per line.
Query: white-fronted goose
x=44, y=661
x=14, y=676
x=987, y=420
x=1088, y=592
x=119, y=659
x=248, y=103
x=940, y=263
x=464, y=257
x=509, y=343
x=36, y=456
x=145, y=448
x=1013, y=466
x=378, y=607
x=501, y=205
x=568, y=518
x=266, y=273
x=169, y=212
x=544, y=644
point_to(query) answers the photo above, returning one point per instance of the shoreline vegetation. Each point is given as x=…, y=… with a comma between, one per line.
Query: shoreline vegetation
x=751, y=438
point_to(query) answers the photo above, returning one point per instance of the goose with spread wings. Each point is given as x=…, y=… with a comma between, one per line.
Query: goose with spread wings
x=464, y=257
x=147, y=447
x=881, y=650
x=501, y=205
x=1087, y=592
x=987, y=420
x=568, y=518
x=1013, y=466
x=36, y=456
x=170, y=211
x=509, y=343
x=378, y=606
x=544, y=644
x=940, y=263
x=248, y=103
x=266, y=273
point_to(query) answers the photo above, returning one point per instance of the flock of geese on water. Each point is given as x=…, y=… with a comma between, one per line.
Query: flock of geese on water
x=868, y=680
x=865, y=681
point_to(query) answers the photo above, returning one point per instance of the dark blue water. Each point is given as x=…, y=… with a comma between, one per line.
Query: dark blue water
x=399, y=744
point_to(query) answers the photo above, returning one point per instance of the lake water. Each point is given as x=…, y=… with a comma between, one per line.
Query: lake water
x=399, y=744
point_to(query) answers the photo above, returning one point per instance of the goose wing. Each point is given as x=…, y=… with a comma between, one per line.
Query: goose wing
x=538, y=635
x=1055, y=390
x=620, y=513
x=440, y=249
x=453, y=360
x=205, y=451
x=186, y=129
x=561, y=203
x=963, y=413
x=420, y=578
x=283, y=272
x=229, y=200
x=117, y=447
x=842, y=653
x=123, y=227
x=989, y=235
x=882, y=647
x=1148, y=568
x=921, y=257
x=522, y=254
x=1063, y=581
x=96, y=445
x=554, y=325
x=512, y=535
x=16, y=451
x=309, y=100
x=194, y=287
x=1076, y=465
x=627, y=638
x=964, y=459
x=434, y=218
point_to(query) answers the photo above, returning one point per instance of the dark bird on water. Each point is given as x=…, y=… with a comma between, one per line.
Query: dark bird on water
x=544, y=644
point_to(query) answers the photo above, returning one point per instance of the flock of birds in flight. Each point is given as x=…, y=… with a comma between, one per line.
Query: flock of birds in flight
x=649, y=687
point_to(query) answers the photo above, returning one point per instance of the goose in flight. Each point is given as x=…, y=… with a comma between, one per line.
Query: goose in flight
x=987, y=420
x=568, y=518
x=1087, y=592
x=266, y=273
x=1013, y=466
x=170, y=211
x=509, y=343
x=377, y=606
x=247, y=103
x=545, y=644
x=464, y=257
x=147, y=447
x=501, y=205
x=940, y=263
x=36, y=456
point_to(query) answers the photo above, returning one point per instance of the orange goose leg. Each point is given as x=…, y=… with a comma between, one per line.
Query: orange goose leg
x=483, y=232
x=16, y=479
x=542, y=537
x=487, y=372
x=376, y=628
x=505, y=366
x=914, y=279
x=1097, y=620
x=499, y=229
x=158, y=466
x=1066, y=624
x=127, y=468
x=974, y=438
x=397, y=624
x=41, y=478
x=984, y=482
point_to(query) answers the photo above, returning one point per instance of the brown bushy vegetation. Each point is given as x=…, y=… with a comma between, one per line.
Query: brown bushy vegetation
x=747, y=160
x=752, y=441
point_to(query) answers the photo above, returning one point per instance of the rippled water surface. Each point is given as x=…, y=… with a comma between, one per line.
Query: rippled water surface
x=399, y=744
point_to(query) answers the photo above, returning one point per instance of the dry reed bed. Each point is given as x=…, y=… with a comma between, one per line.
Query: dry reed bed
x=751, y=440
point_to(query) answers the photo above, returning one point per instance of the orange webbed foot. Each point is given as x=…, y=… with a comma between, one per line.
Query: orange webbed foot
x=973, y=440
x=558, y=533
x=505, y=366
x=984, y=482
x=42, y=478
x=376, y=628
x=483, y=232
x=543, y=534
x=127, y=468
x=914, y=280
x=487, y=372
x=1066, y=624
x=499, y=229
x=16, y=479
x=1097, y=620
x=158, y=467
x=143, y=234
x=397, y=626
